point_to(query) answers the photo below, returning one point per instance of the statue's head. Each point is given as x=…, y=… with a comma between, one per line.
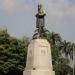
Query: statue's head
x=39, y=6
x=41, y=11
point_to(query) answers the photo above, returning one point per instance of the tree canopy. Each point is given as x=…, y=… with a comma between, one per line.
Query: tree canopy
x=13, y=52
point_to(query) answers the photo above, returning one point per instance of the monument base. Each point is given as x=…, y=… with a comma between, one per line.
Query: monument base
x=38, y=72
x=39, y=61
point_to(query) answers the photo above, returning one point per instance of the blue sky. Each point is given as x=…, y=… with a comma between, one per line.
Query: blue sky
x=19, y=17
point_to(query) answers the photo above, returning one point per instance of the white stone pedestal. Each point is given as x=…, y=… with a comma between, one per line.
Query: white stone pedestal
x=39, y=60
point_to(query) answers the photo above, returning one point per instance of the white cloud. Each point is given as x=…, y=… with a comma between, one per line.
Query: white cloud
x=59, y=7
x=53, y=7
x=8, y=4
x=13, y=5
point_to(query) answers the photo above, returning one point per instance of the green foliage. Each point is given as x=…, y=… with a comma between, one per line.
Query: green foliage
x=13, y=53
x=59, y=48
x=63, y=69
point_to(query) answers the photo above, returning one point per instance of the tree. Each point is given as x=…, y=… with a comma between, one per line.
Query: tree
x=63, y=69
x=60, y=62
x=12, y=54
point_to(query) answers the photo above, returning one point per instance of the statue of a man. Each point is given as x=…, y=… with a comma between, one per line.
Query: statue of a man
x=40, y=16
x=40, y=23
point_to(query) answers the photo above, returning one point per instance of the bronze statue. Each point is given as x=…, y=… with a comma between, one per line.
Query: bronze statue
x=40, y=32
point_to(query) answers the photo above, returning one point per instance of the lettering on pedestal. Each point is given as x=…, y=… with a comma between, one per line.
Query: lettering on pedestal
x=30, y=52
x=30, y=57
x=43, y=49
x=43, y=46
x=43, y=52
